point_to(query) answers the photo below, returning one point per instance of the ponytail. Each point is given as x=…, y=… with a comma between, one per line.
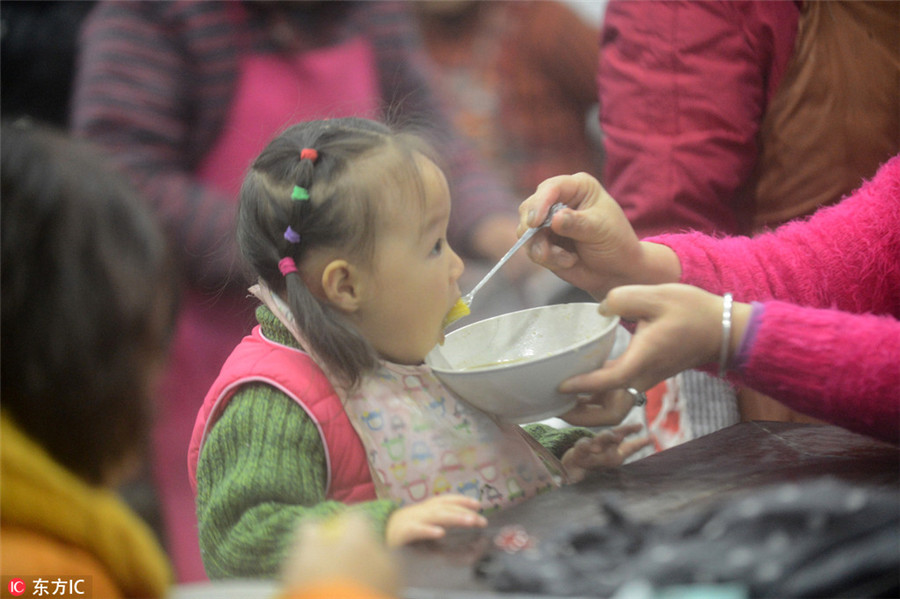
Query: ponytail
x=302, y=192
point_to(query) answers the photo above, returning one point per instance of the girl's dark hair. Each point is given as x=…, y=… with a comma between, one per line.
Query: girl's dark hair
x=362, y=169
x=89, y=301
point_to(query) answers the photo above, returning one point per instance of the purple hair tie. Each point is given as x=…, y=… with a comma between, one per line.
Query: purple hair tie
x=291, y=235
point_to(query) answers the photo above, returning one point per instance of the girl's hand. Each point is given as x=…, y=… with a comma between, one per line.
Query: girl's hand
x=430, y=518
x=679, y=328
x=591, y=245
x=607, y=449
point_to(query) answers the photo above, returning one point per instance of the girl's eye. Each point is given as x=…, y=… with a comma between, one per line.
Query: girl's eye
x=438, y=247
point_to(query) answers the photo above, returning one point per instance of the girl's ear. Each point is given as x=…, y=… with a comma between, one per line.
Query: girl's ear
x=342, y=284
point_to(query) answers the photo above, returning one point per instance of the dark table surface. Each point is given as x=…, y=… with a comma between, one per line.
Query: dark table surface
x=737, y=459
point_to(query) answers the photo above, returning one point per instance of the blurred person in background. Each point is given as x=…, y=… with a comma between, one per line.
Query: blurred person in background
x=38, y=42
x=519, y=81
x=89, y=305
x=39, y=45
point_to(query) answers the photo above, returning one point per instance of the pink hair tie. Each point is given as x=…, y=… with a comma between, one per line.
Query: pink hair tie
x=309, y=154
x=287, y=265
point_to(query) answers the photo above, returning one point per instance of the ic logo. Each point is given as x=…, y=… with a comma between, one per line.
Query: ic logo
x=16, y=587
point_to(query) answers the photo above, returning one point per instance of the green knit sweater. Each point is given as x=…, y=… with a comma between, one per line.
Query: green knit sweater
x=262, y=470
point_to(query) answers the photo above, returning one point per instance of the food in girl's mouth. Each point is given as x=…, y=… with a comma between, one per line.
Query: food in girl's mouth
x=459, y=309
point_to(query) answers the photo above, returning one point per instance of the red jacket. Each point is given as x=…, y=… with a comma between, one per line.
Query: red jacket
x=683, y=89
x=257, y=359
x=735, y=117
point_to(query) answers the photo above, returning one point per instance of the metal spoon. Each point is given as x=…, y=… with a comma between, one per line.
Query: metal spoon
x=467, y=299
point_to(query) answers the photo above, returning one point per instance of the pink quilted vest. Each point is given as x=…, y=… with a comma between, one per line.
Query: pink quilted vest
x=257, y=359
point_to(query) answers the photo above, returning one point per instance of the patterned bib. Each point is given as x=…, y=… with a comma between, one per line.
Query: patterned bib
x=421, y=440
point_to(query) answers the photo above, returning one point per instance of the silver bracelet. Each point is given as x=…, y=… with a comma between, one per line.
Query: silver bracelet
x=727, y=303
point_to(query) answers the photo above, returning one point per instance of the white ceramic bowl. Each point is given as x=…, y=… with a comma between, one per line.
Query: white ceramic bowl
x=510, y=365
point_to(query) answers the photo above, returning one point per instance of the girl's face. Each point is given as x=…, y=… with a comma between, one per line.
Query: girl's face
x=412, y=282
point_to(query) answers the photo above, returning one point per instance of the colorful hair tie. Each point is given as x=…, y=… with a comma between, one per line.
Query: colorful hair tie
x=300, y=193
x=291, y=235
x=309, y=154
x=287, y=265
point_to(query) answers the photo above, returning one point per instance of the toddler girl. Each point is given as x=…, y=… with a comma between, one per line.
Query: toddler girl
x=326, y=406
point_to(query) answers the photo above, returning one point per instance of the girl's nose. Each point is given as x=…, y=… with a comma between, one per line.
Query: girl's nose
x=457, y=266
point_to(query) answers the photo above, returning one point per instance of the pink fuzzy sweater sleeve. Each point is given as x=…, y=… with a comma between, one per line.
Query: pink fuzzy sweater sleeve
x=828, y=343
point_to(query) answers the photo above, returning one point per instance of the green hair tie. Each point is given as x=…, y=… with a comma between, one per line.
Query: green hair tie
x=300, y=193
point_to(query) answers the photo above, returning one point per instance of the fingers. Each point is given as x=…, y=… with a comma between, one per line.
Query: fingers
x=575, y=191
x=550, y=253
x=646, y=361
x=611, y=376
x=632, y=446
x=628, y=429
x=588, y=414
x=429, y=519
x=535, y=208
x=416, y=531
x=457, y=511
x=631, y=302
x=612, y=440
x=578, y=225
x=600, y=409
x=460, y=503
x=555, y=248
x=591, y=453
x=606, y=449
x=584, y=447
x=634, y=368
x=571, y=190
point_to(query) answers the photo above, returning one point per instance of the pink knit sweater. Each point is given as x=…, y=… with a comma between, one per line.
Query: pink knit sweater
x=828, y=342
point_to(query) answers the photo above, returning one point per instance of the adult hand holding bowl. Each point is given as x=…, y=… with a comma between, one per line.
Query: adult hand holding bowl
x=512, y=364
